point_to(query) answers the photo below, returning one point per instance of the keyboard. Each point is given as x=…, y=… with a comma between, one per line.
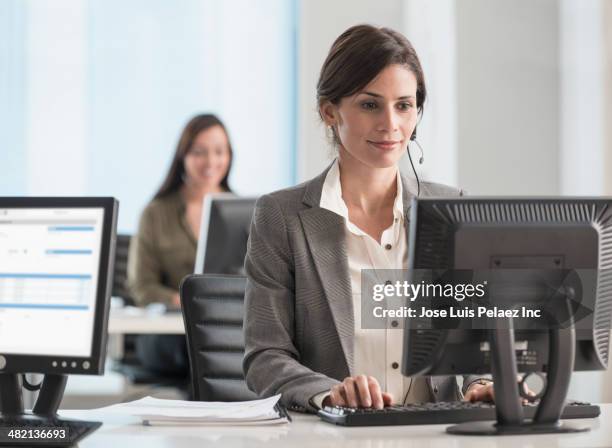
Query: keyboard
x=31, y=430
x=438, y=413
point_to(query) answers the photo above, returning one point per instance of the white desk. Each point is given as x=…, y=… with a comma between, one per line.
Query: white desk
x=137, y=321
x=309, y=431
x=131, y=320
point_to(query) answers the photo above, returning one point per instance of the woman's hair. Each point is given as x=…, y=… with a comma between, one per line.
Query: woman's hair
x=176, y=174
x=359, y=55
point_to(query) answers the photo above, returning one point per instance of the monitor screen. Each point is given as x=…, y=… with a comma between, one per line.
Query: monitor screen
x=54, y=271
x=49, y=261
x=224, y=234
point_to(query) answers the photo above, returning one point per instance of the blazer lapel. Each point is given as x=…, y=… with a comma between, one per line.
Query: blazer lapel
x=324, y=231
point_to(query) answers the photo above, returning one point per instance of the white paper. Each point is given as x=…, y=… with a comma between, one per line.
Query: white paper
x=157, y=411
x=199, y=422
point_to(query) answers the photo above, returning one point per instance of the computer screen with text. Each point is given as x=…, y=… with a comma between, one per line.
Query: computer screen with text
x=49, y=267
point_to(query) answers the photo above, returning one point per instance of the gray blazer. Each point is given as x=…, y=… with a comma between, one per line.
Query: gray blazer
x=298, y=323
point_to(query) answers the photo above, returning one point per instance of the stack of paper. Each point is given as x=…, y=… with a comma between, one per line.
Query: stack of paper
x=155, y=411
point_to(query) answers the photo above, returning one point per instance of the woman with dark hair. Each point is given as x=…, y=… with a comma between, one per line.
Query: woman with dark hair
x=308, y=244
x=164, y=249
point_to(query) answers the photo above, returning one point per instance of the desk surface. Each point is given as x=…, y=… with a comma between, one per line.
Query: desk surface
x=309, y=431
x=138, y=321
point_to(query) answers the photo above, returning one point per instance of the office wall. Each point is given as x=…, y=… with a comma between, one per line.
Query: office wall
x=432, y=28
x=582, y=89
x=508, y=101
x=57, y=103
x=12, y=115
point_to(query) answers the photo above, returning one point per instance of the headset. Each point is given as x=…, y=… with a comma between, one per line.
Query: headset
x=421, y=159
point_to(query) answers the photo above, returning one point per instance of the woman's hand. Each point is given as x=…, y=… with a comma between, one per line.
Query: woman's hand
x=358, y=392
x=480, y=392
x=485, y=391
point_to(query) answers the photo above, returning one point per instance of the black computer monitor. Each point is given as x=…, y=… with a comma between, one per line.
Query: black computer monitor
x=224, y=233
x=56, y=257
x=541, y=235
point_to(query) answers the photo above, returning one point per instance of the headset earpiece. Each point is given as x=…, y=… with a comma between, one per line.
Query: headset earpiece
x=421, y=159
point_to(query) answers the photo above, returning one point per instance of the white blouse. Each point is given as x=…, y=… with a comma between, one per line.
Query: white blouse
x=377, y=352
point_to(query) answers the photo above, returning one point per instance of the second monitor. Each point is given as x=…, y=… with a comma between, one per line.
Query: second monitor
x=224, y=233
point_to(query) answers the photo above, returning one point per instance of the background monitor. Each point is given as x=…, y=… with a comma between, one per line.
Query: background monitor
x=506, y=233
x=55, y=281
x=224, y=233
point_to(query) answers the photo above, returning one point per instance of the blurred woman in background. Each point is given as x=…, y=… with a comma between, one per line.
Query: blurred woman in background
x=164, y=249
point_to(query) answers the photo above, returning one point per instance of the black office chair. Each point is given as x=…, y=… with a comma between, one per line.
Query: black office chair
x=213, y=306
x=120, y=289
x=122, y=250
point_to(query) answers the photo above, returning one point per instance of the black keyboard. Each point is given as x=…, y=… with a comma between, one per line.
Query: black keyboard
x=438, y=413
x=31, y=430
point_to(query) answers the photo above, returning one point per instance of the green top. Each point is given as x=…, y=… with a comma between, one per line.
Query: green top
x=162, y=252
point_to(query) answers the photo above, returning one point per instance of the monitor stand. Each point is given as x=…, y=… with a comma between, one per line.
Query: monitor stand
x=44, y=413
x=510, y=419
x=47, y=403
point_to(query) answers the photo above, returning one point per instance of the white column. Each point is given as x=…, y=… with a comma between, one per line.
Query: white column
x=56, y=113
x=607, y=146
x=581, y=118
x=582, y=131
x=607, y=82
x=255, y=85
x=430, y=26
x=12, y=107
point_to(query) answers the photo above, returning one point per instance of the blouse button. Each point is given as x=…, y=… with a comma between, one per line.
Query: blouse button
x=388, y=246
x=395, y=365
